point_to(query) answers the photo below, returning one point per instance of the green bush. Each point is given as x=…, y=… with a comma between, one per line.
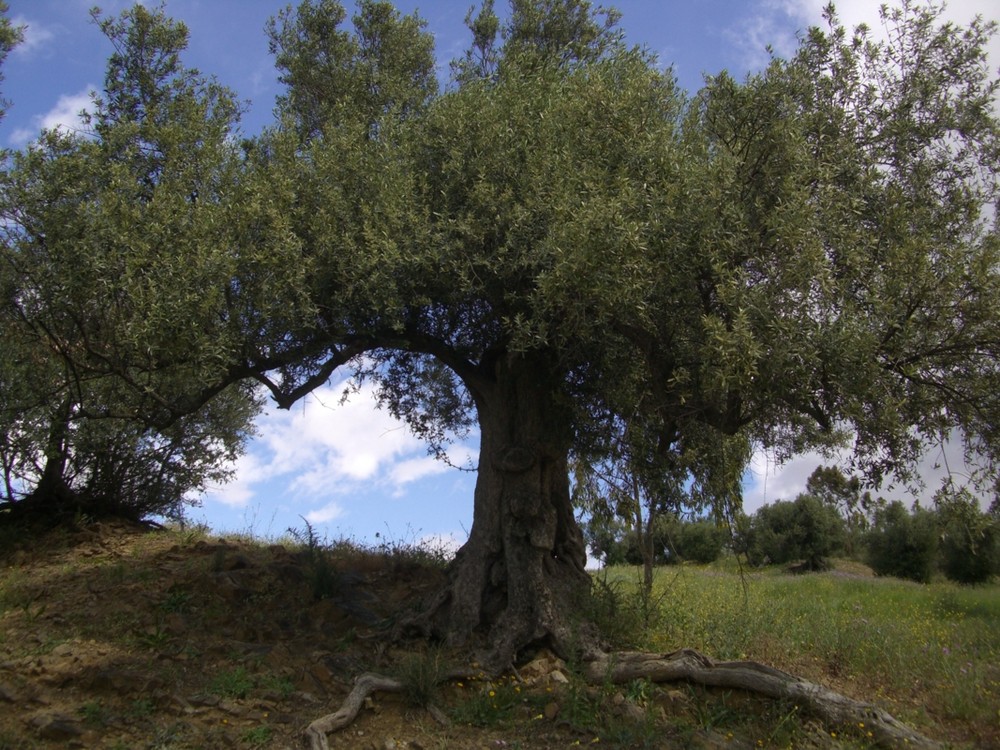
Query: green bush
x=903, y=544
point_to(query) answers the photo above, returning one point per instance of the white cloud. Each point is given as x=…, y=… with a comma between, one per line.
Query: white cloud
x=773, y=23
x=328, y=512
x=779, y=23
x=65, y=115
x=413, y=469
x=238, y=492
x=35, y=35
x=771, y=481
x=322, y=448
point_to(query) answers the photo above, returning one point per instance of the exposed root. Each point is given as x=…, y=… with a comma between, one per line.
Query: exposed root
x=683, y=665
x=686, y=664
x=364, y=686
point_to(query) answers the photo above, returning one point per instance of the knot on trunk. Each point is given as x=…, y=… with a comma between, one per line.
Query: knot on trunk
x=515, y=459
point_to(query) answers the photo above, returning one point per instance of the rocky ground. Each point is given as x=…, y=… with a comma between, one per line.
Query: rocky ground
x=115, y=636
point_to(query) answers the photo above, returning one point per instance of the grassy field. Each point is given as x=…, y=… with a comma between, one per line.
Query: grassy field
x=930, y=654
x=115, y=637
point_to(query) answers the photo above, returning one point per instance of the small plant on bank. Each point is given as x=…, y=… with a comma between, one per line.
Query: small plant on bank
x=236, y=683
x=320, y=572
x=421, y=675
x=258, y=736
x=93, y=714
x=625, y=613
x=277, y=686
x=488, y=704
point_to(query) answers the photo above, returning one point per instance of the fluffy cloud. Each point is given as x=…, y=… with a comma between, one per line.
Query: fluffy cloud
x=64, y=115
x=328, y=512
x=323, y=449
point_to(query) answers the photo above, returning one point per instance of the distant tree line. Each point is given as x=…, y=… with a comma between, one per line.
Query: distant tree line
x=833, y=517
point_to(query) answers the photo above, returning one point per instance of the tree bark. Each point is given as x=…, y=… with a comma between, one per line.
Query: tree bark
x=517, y=579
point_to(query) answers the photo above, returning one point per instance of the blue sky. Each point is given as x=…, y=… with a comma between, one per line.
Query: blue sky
x=351, y=469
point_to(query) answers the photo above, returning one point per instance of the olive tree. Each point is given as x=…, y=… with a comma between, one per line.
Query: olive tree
x=556, y=241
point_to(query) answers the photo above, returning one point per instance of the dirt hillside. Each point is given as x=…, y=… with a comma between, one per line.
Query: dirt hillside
x=116, y=636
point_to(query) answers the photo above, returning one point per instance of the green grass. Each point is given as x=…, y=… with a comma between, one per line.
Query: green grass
x=904, y=644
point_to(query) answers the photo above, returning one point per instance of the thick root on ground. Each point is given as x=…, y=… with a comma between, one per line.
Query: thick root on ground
x=688, y=665
x=364, y=686
x=683, y=665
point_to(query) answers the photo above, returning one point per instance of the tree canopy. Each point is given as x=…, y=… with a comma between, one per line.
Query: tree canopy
x=557, y=244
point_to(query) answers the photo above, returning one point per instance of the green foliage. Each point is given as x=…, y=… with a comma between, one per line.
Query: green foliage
x=10, y=37
x=801, y=530
x=336, y=78
x=903, y=544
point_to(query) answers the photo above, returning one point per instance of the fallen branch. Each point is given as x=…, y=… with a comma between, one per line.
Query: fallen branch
x=683, y=665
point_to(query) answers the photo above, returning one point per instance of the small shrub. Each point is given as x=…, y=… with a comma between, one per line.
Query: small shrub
x=257, y=736
x=488, y=705
x=421, y=674
x=320, y=571
x=276, y=685
x=622, y=612
x=93, y=714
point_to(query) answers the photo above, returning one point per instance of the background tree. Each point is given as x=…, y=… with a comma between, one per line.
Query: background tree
x=969, y=538
x=902, y=544
x=89, y=220
x=844, y=494
x=803, y=530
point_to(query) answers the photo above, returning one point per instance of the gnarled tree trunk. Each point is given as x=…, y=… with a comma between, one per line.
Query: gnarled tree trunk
x=517, y=578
